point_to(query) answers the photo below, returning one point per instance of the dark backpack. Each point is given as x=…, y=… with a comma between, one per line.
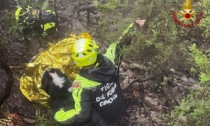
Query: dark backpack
x=37, y=20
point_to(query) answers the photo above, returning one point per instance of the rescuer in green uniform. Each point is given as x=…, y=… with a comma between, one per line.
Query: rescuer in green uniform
x=96, y=87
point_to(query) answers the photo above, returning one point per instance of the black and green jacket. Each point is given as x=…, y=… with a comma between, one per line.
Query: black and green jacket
x=97, y=88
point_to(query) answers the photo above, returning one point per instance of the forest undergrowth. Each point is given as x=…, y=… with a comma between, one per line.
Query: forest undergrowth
x=181, y=97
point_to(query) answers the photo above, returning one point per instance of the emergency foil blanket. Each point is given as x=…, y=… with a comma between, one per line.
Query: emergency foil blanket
x=57, y=56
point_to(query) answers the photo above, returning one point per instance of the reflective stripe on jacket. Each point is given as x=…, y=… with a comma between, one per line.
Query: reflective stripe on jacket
x=96, y=88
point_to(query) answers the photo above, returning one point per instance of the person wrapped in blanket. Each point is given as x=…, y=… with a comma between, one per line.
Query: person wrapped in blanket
x=96, y=87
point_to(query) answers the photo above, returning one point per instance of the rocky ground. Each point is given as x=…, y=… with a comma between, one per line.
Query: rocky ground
x=149, y=95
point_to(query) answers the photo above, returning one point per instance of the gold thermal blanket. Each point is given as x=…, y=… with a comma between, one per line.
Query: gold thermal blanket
x=57, y=56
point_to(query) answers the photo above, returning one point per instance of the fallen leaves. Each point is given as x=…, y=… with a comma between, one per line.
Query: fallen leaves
x=149, y=100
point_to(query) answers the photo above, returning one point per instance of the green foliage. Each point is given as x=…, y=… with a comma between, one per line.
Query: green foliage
x=111, y=5
x=36, y=3
x=205, y=21
x=160, y=43
x=45, y=5
x=12, y=26
x=195, y=107
x=200, y=59
x=205, y=25
x=44, y=117
x=111, y=25
x=202, y=63
x=9, y=26
x=206, y=4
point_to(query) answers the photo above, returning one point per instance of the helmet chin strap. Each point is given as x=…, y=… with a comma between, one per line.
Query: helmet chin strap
x=96, y=64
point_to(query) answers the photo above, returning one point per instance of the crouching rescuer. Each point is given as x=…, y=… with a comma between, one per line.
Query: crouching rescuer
x=96, y=87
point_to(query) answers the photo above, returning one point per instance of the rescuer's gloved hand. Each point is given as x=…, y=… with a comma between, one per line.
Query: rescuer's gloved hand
x=130, y=32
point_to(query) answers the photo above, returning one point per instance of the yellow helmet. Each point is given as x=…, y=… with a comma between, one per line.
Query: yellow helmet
x=85, y=52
